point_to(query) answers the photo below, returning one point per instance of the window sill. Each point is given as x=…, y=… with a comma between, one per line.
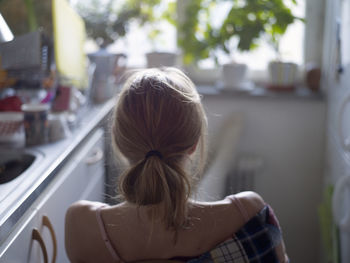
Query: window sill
x=213, y=75
x=260, y=91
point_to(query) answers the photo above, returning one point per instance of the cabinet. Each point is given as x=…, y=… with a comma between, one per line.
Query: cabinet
x=39, y=235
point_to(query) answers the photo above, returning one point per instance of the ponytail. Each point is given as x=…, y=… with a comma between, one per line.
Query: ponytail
x=156, y=181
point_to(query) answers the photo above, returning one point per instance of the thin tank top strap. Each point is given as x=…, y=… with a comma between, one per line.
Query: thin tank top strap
x=240, y=207
x=105, y=237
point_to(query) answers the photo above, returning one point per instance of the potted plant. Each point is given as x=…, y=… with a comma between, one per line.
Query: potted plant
x=164, y=18
x=282, y=74
x=246, y=23
x=160, y=59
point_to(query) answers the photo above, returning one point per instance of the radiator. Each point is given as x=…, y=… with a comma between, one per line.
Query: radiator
x=242, y=177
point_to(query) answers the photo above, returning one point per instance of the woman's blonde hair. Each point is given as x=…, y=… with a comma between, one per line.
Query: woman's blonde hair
x=158, y=121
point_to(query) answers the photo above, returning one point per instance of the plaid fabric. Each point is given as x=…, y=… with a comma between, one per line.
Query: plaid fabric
x=254, y=242
x=229, y=251
x=259, y=238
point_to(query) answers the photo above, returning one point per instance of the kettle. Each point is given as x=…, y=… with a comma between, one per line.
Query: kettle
x=108, y=70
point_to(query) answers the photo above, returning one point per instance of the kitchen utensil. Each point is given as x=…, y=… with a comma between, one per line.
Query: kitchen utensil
x=109, y=66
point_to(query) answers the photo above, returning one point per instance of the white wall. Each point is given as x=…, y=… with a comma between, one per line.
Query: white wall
x=288, y=133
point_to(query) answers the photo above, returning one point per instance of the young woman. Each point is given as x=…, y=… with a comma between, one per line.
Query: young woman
x=158, y=126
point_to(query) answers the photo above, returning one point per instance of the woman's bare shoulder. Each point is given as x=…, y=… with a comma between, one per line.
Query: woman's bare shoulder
x=252, y=202
x=82, y=206
x=75, y=227
x=78, y=210
x=216, y=221
x=228, y=208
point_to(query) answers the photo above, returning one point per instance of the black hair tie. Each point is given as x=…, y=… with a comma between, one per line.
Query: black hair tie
x=153, y=153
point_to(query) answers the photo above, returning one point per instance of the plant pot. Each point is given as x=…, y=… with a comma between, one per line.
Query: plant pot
x=233, y=75
x=201, y=76
x=282, y=75
x=160, y=59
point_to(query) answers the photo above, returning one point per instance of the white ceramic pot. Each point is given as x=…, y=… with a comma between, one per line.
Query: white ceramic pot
x=233, y=74
x=282, y=73
x=160, y=59
x=203, y=76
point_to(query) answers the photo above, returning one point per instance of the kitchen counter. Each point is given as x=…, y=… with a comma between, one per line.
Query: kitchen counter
x=18, y=195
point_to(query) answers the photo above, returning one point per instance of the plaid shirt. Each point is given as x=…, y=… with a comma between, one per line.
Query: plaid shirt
x=255, y=242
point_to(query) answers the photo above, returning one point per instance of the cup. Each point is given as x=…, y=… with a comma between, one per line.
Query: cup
x=35, y=118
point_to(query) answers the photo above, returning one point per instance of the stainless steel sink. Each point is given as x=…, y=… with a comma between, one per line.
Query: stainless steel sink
x=14, y=163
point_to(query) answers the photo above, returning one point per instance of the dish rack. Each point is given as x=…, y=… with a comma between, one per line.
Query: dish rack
x=11, y=126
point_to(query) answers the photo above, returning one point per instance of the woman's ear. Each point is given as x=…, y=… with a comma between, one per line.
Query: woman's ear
x=192, y=149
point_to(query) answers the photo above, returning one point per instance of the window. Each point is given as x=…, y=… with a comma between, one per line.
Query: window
x=137, y=42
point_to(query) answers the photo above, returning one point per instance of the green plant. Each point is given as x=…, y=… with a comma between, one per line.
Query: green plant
x=163, y=12
x=246, y=22
x=108, y=20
